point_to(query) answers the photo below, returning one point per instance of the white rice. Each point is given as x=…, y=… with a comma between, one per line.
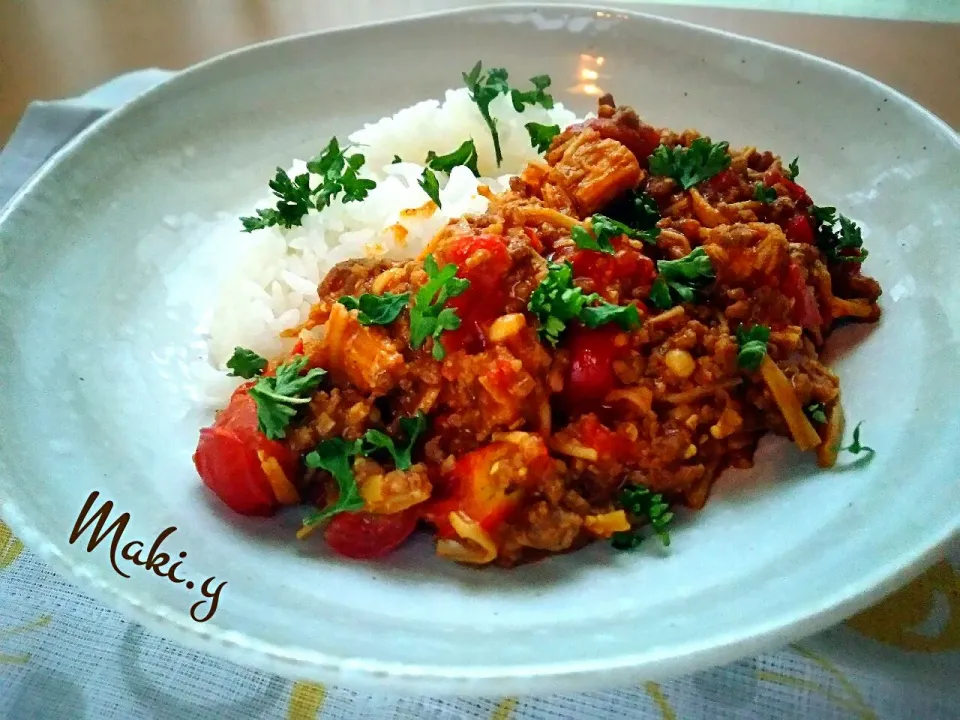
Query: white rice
x=275, y=272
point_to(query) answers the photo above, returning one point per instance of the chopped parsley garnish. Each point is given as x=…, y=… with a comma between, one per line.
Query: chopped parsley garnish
x=336, y=456
x=690, y=166
x=293, y=202
x=338, y=174
x=845, y=245
x=855, y=447
x=396, y=159
x=753, y=346
x=537, y=96
x=557, y=301
x=431, y=186
x=679, y=280
x=280, y=396
x=428, y=316
x=643, y=507
x=793, y=169
x=246, y=363
x=484, y=87
x=764, y=194
x=637, y=210
x=465, y=155
x=541, y=135
x=376, y=309
x=400, y=451
x=604, y=230
x=816, y=412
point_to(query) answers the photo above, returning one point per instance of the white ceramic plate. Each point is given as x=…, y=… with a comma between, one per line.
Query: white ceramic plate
x=99, y=299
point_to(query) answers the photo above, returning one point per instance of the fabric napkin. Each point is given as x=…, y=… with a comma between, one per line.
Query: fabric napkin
x=64, y=656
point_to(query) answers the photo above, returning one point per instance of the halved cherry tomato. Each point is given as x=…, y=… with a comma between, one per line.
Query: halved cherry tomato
x=364, y=536
x=228, y=461
x=484, y=261
x=594, y=434
x=798, y=229
x=592, y=354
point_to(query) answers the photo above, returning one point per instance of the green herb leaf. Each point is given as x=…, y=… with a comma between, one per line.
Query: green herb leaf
x=338, y=175
x=541, y=135
x=793, y=169
x=483, y=89
x=400, y=451
x=604, y=230
x=845, y=245
x=428, y=316
x=855, y=447
x=556, y=301
x=431, y=186
x=753, y=346
x=680, y=280
x=817, y=412
x=537, y=96
x=376, y=309
x=465, y=155
x=764, y=194
x=293, y=201
x=626, y=316
x=246, y=363
x=643, y=507
x=336, y=457
x=396, y=159
x=690, y=166
x=585, y=241
x=278, y=397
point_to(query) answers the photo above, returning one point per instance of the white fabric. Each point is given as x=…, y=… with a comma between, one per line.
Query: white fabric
x=64, y=656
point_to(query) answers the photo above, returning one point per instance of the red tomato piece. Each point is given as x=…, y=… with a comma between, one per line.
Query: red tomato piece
x=606, y=442
x=364, y=536
x=806, y=312
x=592, y=353
x=723, y=181
x=772, y=177
x=798, y=229
x=228, y=462
x=232, y=470
x=484, y=261
x=628, y=266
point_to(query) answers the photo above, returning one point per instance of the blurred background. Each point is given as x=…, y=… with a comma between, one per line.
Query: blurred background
x=56, y=48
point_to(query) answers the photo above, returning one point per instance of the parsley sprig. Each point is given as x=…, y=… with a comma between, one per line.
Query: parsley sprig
x=644, y=507
x=336, y=456
x=431, y=186
x=817, y=412
x=246, y=363
x=840, y=245
x=680, y=280
x=604, y=230
x=855, y=446
x=485, y=87
x=764, y=194
x=793, y=169
x=376, y=309
x=465, y=155
x=557, y=301
x=280, y=396
x=690, y=166
x=295, y=197
x=753, y=346
x=428, y=316
x=537, y=96
x=541, y=135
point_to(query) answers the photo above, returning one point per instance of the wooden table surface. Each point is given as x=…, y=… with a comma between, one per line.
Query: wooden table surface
x=57, y=48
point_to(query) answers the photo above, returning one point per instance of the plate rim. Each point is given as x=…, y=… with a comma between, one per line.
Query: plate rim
x=490, y=678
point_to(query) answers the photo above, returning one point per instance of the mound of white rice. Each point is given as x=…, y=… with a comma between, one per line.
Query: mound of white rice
x=273, y=280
